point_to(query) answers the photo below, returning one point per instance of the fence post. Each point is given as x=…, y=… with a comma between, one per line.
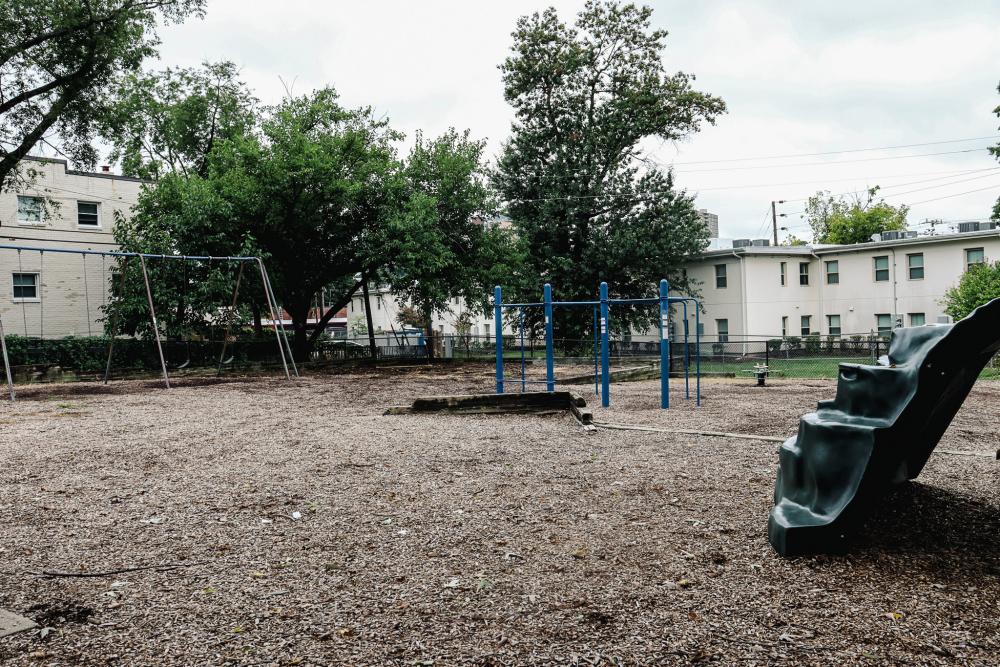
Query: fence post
x=550, y=377
x=605, y=365
x=498, y=323
x=664, y=345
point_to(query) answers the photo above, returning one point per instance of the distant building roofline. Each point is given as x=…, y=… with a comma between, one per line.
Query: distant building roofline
x=88, y=174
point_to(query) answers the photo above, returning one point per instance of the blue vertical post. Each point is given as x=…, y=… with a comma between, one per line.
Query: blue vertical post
x=687, y=354
x=605, y=370
x=520, y=319
x=697, y=354
x=550, y=376
x=664, y=346
x=498, y=323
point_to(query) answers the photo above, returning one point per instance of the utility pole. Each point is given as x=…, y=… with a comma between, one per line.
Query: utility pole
x=774, y=218
x=774, y=222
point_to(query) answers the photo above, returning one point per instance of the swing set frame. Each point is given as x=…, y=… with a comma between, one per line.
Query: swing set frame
x=603, y=306
x=281, y=337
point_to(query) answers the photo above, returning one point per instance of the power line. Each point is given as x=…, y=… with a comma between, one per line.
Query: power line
x=847, y=150
x=828, y=164
x=951, y=174
x=958, y=194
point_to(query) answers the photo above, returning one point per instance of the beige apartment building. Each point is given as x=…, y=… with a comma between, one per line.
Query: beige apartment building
x=769, y=291
x=54, y=294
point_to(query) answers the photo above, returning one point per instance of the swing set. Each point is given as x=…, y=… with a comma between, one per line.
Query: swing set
x=122, y=259
x=602, y=311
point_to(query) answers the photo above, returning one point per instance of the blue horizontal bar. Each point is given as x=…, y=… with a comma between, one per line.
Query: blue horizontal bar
x=109, y=253
x=520, y=305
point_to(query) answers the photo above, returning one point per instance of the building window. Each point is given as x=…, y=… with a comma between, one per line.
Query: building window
x=917, y=319
x=88, y=214
x=701, y=328
x=805, y=320
x=803, y=273
x=883, y=323
x=784, y=271
x=29, y=210
x=722, y=327
x=973, y=256
x=915, y=266
x=882, y=269
x=784, y=326
x=720, y=276
x=833, y=325
x=833, y=272
x=25, y=287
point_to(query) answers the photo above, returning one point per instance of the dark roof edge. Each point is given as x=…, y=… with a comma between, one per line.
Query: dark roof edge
x=88, y=174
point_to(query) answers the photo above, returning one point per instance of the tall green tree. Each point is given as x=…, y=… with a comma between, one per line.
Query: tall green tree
x=169, y=121
x=449, y=199
x=60, y=61
x=979, y=285
x=841, y=221
x=316, y=190
x=587, y=207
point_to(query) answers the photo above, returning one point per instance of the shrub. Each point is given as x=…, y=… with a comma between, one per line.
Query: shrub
x=812, y=343
x=774, y=344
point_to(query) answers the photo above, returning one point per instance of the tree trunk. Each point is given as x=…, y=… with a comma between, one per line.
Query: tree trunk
x=429, y=336
x=300, y=337
x=258, y=326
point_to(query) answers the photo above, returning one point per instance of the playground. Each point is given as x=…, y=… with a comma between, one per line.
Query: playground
x=255, y=521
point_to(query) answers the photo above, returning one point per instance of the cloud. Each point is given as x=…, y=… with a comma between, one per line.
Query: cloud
x=798, y=78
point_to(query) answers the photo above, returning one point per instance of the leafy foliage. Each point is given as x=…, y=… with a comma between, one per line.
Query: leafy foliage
x=169, y=122
x=842, y=222
x=440, y=255
x=60, y=60
x=979, y=285
x=586, y=206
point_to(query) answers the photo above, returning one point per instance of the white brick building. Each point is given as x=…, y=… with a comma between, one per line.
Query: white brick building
x=56, y=294
x=834, y=290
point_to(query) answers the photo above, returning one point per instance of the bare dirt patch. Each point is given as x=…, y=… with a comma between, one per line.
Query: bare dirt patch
x=328, y=533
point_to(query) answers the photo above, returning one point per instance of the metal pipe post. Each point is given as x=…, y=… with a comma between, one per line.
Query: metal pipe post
x=687, y=354
x=232, y=311
x=6, y=361
x=664, y=346
x=550, y=376
x=597, y=389
x=274, y=318
x=520, y=317
x=697, y=355
x=605, y=365
x=498, y=324
x=152, y=317
x=284, y=334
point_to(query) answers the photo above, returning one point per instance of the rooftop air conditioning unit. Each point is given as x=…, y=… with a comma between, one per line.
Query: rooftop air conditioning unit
x=761, y=243
x=944, y=319
x=741, y=243
x=891, y=236
x=909, y=234
x=966, y=227
x=983, y=226
x=876, y=238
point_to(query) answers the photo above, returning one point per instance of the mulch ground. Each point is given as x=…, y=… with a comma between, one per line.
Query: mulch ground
x=309, y=529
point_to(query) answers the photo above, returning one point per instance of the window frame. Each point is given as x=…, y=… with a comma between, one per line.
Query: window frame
x=784, y=326
x=805, y=325
x=835, y=274
x=97, y=214
x=830, y=327
x=783, y=272
x=923, y=317
x=804, y=273
x=968, y=264
x=722, y=336
x=41, y=211
x=910, y=268
x=875, y=269
x=37, y=285
x=724, y=276
x=879, y=328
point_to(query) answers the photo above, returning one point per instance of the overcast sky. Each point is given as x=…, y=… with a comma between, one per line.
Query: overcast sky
x=798, y=78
